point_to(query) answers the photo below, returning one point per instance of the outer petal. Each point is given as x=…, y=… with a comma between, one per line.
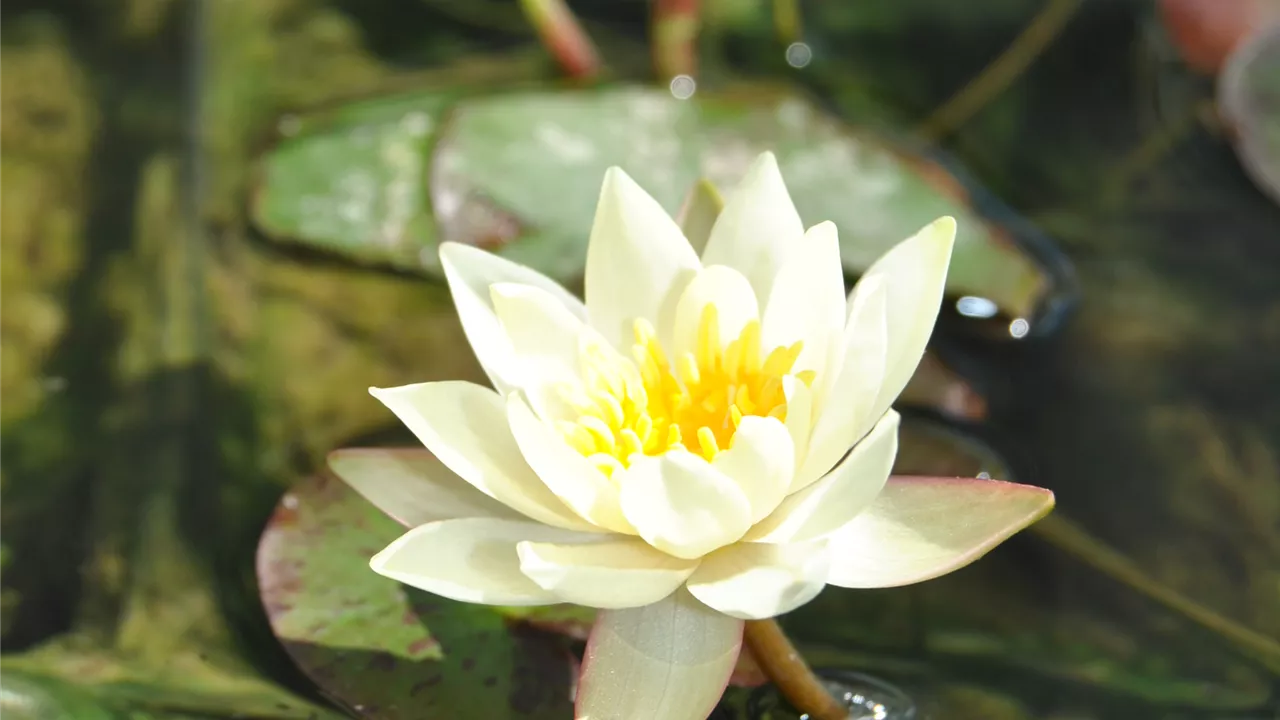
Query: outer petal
x=568, y=474
x=465, y=425
x=545, y=337
x=412, y=486
x=921, y=527
x=734, y=300
x=807, y=302
x=682, y=506
x=615, y=573
x=846, y=401
x=833, y=501
x=470, y=271
x=758, y=228
x=473, y=560
x=754, y=581
x=915, y=275
x=638, y=262
x=668, y=660
x=761, y=460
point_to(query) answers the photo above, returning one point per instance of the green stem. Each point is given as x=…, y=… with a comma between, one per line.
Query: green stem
x=1002, y=71
x=1072, y=539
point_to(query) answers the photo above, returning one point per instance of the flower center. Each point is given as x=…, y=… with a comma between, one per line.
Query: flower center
x=652, y=405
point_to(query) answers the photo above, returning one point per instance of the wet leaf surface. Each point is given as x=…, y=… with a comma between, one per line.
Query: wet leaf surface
x=519, y=173
x=384, y=650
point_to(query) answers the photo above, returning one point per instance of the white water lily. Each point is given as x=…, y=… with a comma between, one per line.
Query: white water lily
x=707, y=440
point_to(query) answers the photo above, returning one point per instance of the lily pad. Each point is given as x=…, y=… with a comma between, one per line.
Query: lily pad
x=383, y=650
x=1249, y=99
x=384, y=181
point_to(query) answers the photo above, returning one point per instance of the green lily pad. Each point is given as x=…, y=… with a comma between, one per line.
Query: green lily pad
x=384, y=181
x=1249, y=98
x=383, y=650
x=32, y=697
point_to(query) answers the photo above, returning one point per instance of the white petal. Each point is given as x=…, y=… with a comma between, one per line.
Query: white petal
x=544, y=337
x=807, y=302
x=669, y=660
x=833, y=501
x=799, y=416
x=914, y=273
x=638, y=262
x=754, y=581
x=578, y=483
x=758, y=228
x=729, y=292
x=761, y=460
x=682, y=506
x=921, y=527
x=465, y=425
x=470, y=272
x=473, y=560
x=614, y=573
x=846, y=403
x=412, y=486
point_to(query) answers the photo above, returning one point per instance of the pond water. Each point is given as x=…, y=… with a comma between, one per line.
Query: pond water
x=170, y=367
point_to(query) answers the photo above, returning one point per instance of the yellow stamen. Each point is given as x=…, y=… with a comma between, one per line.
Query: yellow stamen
x=646, y=405
x=707, y=443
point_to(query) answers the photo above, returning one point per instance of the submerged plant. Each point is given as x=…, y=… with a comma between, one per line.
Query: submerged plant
x=705, y=442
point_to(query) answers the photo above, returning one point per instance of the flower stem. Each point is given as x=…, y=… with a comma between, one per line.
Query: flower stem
x=782, y=664
x=564, y=37
x=675, y=37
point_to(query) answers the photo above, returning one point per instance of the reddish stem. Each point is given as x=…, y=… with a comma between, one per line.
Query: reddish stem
x=563, y=36
x=788, y=671
x=675, y=38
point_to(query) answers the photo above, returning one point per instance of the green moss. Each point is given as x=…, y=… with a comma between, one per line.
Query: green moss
x=48, y=125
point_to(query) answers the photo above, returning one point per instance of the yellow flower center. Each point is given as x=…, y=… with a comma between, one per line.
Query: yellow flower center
x=652, y=405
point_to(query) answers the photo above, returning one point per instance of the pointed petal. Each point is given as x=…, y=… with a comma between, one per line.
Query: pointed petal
x=545, y=338
x=799, y=417
x=579, y=484
x=733, y=298
x=668, y=660
x=845, y=404
x=473, y=560
x=470, y=272
x=758, y=228
x=833, y=501
x=922, y=527
x=412, y=486
x=465, y=425
x=761, y=460
x=807, y=303
x=682, y=506
x=638, y=262
x=754, y=581
x=915, y=275
x=614, y=573
x=699, y=212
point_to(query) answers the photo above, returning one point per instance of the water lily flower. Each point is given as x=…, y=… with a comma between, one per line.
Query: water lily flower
x=706, y=440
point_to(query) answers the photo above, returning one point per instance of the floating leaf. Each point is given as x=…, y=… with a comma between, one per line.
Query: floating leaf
x=1249, y=97
x=34, y=697
x=519, y=173
x=384, y=650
